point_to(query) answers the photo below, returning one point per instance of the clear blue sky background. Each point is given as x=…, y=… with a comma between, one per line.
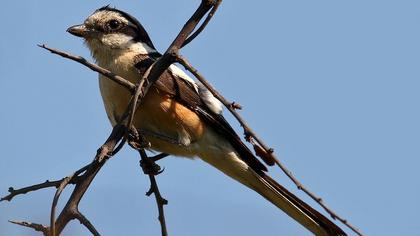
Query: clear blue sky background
x=333, y=86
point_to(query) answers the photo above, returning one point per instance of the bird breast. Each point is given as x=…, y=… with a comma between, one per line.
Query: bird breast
x=169, y=126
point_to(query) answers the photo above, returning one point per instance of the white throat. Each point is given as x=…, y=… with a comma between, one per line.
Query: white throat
x=111, y=46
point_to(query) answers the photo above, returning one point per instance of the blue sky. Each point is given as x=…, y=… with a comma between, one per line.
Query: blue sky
x=332, y=86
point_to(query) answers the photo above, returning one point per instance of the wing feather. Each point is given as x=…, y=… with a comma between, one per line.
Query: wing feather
x=186, y=93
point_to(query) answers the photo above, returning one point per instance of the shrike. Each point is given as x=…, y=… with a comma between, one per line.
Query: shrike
x=179, y=116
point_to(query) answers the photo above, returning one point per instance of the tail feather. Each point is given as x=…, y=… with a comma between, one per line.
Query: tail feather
x=311, y=215
x=233, y=166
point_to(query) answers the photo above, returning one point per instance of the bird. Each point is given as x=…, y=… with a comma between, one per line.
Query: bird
x=178, y=115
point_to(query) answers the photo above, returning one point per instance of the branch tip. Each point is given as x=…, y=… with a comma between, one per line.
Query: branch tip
x=36, y=227
x=236, y=106
x=150, y=191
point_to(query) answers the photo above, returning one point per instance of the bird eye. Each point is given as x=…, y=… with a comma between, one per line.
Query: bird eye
x=114, y=24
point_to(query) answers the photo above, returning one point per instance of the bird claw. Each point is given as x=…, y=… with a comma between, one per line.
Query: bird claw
x=150, y=168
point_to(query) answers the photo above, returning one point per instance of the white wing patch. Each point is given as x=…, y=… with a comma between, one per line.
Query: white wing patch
x=211, y=102
x=181, y=74
x=142, y=48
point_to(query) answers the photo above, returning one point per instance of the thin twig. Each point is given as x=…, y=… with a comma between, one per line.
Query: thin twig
x=250, y=135
x=158, y=157
x=203, y=25
x=36, y=227
x=57, y=195
x=135, y=98
x=152, y=169
x=47, y=184
x=116, y=78
x=84, y=221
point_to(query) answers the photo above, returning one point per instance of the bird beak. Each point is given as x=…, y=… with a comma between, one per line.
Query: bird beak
x=79, y=30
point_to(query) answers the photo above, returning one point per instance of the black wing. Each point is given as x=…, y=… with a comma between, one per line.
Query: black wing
x=185, y=93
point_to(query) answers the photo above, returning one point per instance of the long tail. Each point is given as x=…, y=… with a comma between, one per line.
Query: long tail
x=233, y=166
x=298, y=209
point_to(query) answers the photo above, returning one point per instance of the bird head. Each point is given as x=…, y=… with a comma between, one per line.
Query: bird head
x=109, y=30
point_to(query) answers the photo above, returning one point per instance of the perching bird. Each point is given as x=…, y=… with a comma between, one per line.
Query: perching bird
x=179, y=116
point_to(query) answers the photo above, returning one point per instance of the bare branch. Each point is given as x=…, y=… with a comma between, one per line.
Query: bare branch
x=117, y=79
x=236, y=106
x=70, y=210
x=190, y=25
x=14, y=192
x=202, y=26
x=84, y=221
x=251, y=137
x=46, y=184
x=152, y=169
x=36, y=227
x=137, y=93
x=158, y=157
x=60, y=189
